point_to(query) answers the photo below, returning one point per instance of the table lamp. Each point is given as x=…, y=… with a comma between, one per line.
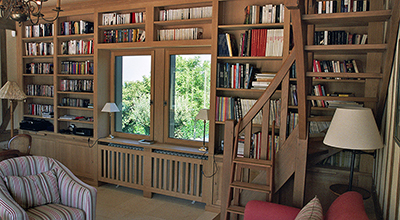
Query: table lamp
x=203, y=115
x=353, y=129
x=12, y=92
x=110, y=108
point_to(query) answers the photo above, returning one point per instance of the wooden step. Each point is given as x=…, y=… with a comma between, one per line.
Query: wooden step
x=253, y=162
x=251, y=186
x=236, y=209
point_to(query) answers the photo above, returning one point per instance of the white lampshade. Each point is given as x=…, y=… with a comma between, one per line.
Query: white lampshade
x=202, y=115
x=110, y=107
x=353, y=128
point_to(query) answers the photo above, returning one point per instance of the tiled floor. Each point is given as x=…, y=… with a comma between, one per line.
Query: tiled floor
x=125, y=203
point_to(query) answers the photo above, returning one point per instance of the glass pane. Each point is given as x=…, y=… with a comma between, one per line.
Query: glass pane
x=132, y=94
x=189, y=92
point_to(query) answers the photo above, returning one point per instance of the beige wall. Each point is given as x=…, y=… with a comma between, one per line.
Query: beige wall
x=386, y=169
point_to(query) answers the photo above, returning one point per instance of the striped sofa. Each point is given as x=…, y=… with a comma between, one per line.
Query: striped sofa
x=36, y=187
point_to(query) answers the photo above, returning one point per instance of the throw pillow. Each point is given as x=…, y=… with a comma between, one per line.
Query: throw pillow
x=34, y=190
x=311, y=211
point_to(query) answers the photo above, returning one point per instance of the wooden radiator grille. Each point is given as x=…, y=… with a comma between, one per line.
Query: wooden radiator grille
x=121, y=165
x=177, y=174
x=158, y=171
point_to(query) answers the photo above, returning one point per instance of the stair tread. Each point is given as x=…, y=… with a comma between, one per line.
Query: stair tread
x=236, y=209
x=253, y=162
x=251, y=186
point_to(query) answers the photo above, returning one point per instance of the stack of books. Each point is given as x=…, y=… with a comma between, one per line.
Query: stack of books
x=262, y=80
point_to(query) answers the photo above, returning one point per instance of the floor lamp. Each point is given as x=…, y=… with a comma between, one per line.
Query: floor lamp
x=203, y=115
x=353, y=129
x=110, y=108
x=12, y=92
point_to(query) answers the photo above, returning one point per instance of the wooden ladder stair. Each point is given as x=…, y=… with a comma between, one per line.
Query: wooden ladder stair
x=240, y=172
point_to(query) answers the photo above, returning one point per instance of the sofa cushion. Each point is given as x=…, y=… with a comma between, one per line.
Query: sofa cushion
x=55, y=211
x=33, y=190
x=311, y=211
x=349, y=205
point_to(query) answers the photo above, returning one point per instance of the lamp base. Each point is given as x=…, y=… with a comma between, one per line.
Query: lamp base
x=339, y=189
x=203, y=149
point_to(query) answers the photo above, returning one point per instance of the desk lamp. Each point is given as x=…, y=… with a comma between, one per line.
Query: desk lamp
x=353, y=129
x=110, y=108
x=203, y=115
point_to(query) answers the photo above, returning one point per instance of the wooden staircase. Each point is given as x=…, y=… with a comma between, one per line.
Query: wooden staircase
x=290, y=160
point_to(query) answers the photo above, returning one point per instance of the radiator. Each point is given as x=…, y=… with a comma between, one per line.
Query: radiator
x=158, y=171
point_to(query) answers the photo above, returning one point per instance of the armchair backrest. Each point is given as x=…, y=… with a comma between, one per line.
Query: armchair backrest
x=25, y=166
x=21, y=142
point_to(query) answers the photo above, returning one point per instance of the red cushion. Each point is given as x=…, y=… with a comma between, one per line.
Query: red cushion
x=349, y=205
x=259, y=210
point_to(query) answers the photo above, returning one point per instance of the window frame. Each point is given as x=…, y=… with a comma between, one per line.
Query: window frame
x=115, y=54
x=182, y=51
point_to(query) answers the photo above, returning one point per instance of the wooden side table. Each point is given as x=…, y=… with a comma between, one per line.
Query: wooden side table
x=6, y=154
x=339, y=189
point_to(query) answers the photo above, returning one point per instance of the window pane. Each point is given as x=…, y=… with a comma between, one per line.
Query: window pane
x=132, y=94
x=189, y=92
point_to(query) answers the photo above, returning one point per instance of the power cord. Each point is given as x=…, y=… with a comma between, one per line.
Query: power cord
x=215, y=169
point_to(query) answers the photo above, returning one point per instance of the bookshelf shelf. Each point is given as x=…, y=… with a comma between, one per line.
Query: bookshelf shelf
x=85, y=76
x=244, y=93
x=75, y=93
x=347, y=48
x=75, y=108
x=37, y=75
x=347, y=19
x=317, y=81
x=320, y=118
x=235, y=27
x=36, y=39
x=38, y=117
x=345, y=75
x=236, y=58
x=75, y=121
x=183, y=23
x=75, y=36
x=122, y=26
x=354, y=99
x=183, y=43
x=37, y=57
x=124, y=45
x=40, y=97
x=74, y=55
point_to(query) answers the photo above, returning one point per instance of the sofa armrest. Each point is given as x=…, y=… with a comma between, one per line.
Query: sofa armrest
x=349, y=205
x=259, y=210
x=9, y=208
x=75, y=193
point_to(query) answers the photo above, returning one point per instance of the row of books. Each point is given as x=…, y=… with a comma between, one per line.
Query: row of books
x=180, y=34
x=39, y=109
x=76, y=27
x=338, y=37
x=341, y=159
x=74, y=47
x=185, y=13
x=262, y=80
x=77, y=67
x=123, y=18
x=124, y=35
x=293, y=74
x=317, y=127
x=39, y=68
x=335, y=66
x=73, y=102
x=275, y=112
x=234, y=108
x=331, y=6
x=319, y=90
x=39, y=48
x=255, y=148
x=39, y=30
x=40, y=90
x=255, y=14
x=76, y=85
x=234, y=75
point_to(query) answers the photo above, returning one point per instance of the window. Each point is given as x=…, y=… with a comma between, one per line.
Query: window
x=189, y=91
x=133, y=94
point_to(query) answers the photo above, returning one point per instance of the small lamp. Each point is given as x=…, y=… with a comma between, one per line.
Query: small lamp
x=110, y=108
x=203, y=115
x=354, y=129
x=11, y=91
